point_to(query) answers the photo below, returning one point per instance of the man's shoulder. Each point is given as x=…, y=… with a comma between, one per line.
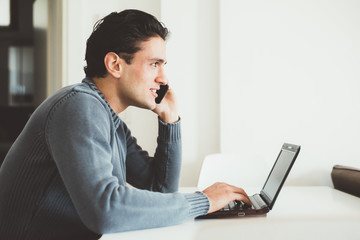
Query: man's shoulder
x=76, y=98
x=79, y=91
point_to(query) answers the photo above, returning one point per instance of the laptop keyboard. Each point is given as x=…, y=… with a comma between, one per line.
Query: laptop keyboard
x=257, y=203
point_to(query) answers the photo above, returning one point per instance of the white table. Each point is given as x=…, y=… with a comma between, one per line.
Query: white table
x=302, y=213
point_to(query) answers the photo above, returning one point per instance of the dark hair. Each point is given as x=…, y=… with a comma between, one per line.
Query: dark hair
x=121, y=33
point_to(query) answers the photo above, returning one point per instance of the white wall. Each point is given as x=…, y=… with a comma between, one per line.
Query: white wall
x=290, y=73
x=193, y=69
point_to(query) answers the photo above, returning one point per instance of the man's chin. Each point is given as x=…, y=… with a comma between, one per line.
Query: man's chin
x=148, y=106
x=152, y=105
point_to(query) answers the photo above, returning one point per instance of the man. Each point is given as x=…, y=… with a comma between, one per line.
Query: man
x=65, y=176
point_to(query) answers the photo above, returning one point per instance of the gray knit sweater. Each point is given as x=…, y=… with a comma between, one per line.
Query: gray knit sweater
x=65, y=176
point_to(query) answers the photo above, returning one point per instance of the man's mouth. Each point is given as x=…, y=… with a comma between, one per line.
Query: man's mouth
x=154, y=92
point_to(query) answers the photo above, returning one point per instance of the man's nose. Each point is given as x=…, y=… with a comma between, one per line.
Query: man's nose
x=161, y=78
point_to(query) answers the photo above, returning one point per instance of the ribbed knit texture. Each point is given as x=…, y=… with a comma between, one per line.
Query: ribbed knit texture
x=33, y=176
x=169, y=134
x=199, y=204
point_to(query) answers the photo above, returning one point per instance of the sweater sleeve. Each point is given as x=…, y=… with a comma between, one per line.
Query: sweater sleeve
x=79, y=139
x=161, y=172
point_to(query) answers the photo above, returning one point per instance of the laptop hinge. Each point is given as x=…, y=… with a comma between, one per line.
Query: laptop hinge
x=265, y=198
x=260, y=201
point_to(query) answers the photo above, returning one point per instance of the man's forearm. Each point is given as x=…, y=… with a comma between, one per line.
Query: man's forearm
x=168, y=156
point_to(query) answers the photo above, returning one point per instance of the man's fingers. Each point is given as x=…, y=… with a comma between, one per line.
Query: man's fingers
x=243, y=198
x=241, y=195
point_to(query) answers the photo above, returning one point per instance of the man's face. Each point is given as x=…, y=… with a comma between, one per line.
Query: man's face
x=145, y=74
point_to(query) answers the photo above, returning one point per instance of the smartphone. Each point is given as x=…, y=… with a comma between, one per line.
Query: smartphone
x=161, y=93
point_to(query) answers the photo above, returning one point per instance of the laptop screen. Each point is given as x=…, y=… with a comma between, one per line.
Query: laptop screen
x=279, y=172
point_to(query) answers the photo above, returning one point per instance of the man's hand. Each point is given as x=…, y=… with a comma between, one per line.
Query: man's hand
x=220, y=194
x=167, y=109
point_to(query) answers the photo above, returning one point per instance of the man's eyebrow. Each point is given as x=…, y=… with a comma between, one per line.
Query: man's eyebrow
x=158, y=60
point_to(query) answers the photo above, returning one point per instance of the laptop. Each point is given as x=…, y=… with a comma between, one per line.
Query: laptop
x=264, y=201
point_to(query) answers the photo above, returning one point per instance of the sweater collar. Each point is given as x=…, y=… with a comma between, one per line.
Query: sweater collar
x=92, y=85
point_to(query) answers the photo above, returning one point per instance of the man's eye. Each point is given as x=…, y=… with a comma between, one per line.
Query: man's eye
x=155, y=64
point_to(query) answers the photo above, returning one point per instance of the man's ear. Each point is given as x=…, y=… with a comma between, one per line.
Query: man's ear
x=113, y=64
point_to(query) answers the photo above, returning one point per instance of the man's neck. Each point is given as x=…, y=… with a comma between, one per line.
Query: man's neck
x=108, y=87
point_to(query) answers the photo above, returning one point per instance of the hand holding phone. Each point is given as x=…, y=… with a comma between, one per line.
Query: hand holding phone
x=161, y=93
x=167, y=110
